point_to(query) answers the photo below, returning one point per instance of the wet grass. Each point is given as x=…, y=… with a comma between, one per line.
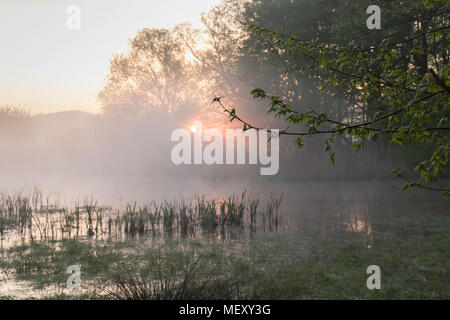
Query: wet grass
x=44, y=265
x=174, y=272
x=412, y=252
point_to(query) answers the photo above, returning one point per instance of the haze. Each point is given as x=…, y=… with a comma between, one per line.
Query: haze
x=114, y=152
x=45, y=67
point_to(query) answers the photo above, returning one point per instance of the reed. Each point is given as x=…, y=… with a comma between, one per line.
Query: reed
x=43, y=220
x=174, y=274
x=207, y=214
x=169, y=215
x=253, y=208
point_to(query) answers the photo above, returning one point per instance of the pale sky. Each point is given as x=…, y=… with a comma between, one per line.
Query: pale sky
x=46, y=67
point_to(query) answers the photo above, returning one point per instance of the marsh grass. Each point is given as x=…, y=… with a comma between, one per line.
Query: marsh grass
x=253, y=207
x=175, y=273
x=32, y=219
x=272, y=266
x=45, y=264
x=186, y=219
x=15, y=211
x=181, y=261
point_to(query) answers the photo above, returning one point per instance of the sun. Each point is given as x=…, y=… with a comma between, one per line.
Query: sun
x=193, y=129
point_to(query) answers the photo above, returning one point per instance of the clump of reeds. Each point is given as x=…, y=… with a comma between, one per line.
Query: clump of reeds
x=15, y=212
x=253, y=207
x=235, y=210
x=90, y=208
x=174, y=274
x=206, y=211
x=45, y=220
x=169, y=215
x=271, y=215
x=186, y=219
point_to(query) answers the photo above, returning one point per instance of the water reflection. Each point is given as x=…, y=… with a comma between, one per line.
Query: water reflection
x=318, y=210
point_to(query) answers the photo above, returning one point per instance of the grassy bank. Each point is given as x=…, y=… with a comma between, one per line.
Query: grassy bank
x=413, y=254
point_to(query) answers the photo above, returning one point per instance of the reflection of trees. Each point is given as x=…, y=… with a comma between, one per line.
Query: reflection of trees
x=361, y=210
x=337, y=217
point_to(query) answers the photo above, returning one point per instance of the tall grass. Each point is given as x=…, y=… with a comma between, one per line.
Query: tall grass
x=166, y=273
x=35, y=219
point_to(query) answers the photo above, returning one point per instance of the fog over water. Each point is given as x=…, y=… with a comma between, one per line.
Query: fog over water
x=75, y=156
x=224, y=150
x=166, y=79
